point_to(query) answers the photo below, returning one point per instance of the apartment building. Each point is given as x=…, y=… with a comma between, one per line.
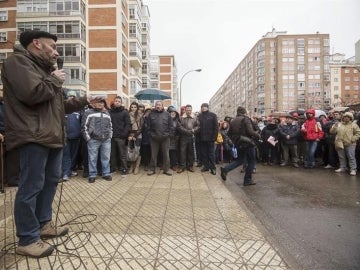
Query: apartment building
x=7, y=29
x=345, y=81
x=163, y=76
x=105, y=44
x=280, y=73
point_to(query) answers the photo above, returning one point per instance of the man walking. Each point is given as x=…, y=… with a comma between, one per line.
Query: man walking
x=35, y=112
x=242, y=133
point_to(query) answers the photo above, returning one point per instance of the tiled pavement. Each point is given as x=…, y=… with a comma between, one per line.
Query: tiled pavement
x=184, y=221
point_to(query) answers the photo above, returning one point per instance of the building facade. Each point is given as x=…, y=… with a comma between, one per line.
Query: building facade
x=105, y=43
x=280, y=73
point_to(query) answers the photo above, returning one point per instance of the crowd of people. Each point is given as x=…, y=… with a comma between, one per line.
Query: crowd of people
x=49, y=137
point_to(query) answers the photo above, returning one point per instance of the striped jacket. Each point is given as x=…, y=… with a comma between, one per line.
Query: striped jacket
x=96, y=125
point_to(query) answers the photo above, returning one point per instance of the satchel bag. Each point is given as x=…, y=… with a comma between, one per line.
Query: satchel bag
x=133, y=151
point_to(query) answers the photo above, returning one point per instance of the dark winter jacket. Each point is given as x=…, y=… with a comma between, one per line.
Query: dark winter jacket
x=270, y=129
x=188, y=126
x=242, y=125
x=289, y=129
x=120, y=120
x=73, y=125
x=174, y=133
x=35, y=108
x=96, y=125
x=208, y=126
x=159, y=125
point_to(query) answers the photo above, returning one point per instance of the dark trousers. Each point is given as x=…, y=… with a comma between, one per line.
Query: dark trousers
x=164, y=146
x=244, y=154
x=145, y=153
x=186, y=152
x=207, y=150
x=40, y=171
x=11, y=167
x=118, y=159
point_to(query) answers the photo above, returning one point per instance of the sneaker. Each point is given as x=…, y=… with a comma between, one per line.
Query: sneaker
x=213, y=171
x=107, y=177
x=296, y=165
x=123, y=172
x=92, y=180
x=65, y=178
x=251, y=183
x=340, y=170
x=283, y=164
x=49, y=230
x=353, y=172
x=38, y=249
x=168, y=173
x=328, y=167
x=73, y=173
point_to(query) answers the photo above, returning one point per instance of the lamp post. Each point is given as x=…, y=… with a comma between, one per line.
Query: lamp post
x=196, y=70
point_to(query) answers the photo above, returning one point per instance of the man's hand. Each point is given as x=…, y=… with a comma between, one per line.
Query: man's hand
x=60, y=73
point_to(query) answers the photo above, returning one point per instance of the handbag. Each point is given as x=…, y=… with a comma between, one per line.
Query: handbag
x=133, y=151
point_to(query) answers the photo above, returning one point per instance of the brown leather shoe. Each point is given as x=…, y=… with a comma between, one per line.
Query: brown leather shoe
x=180, y=170
x=191, y=169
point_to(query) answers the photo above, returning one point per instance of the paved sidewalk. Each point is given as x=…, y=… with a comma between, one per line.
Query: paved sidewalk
x=184, y=221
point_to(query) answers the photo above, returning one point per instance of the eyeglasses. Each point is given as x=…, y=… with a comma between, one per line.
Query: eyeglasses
x=132, y=107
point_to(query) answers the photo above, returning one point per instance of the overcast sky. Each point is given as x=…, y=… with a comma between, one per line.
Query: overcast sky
x=215, y=35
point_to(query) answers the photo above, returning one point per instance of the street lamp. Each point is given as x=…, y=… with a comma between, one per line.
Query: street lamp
x=197, y=70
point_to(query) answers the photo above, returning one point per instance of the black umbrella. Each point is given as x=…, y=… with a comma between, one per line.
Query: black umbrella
x=152, y=94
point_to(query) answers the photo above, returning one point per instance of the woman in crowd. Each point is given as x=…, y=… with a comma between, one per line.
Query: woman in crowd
x=136, y=119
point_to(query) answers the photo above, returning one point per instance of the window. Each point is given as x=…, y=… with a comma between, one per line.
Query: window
x=336, y=79
x=3, y=36
x=347, y=71
x=336, y=88
x=3, y=15
x=347, y=87
x=2, y=57
x=347, y=79
x=132, y=30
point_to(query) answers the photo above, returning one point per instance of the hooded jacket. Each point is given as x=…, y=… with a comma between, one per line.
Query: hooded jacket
x=348, y=133
x=35, y=108
x=311, y=129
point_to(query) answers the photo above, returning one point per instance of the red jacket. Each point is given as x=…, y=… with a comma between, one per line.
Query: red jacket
x=311, y=130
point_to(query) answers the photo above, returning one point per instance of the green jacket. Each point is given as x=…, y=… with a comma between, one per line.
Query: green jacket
x=35, y=108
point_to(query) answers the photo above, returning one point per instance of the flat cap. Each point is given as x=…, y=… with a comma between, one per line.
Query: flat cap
x=27, y=37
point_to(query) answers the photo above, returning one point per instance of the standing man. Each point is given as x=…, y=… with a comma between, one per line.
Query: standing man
x=188, y=127
x=207, y=134
x=97, y=131
x=120, y=119
x=35, y=122
x=242, y=133
x=160, y=125
x=289, y=133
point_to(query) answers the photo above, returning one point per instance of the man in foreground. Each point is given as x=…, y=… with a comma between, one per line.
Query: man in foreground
x=35, y=115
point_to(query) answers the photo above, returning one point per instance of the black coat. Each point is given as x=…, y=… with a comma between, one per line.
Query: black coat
x=120, y=120
x=208, y=126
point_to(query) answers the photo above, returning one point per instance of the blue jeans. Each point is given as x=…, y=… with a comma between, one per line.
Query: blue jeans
x=310, y=154
x=105, y=150
x=244, y=154
x=70, y=154
x=40, y=171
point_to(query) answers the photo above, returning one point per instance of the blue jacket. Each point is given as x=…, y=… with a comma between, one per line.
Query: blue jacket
x=73, y=125
x=289, y=129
